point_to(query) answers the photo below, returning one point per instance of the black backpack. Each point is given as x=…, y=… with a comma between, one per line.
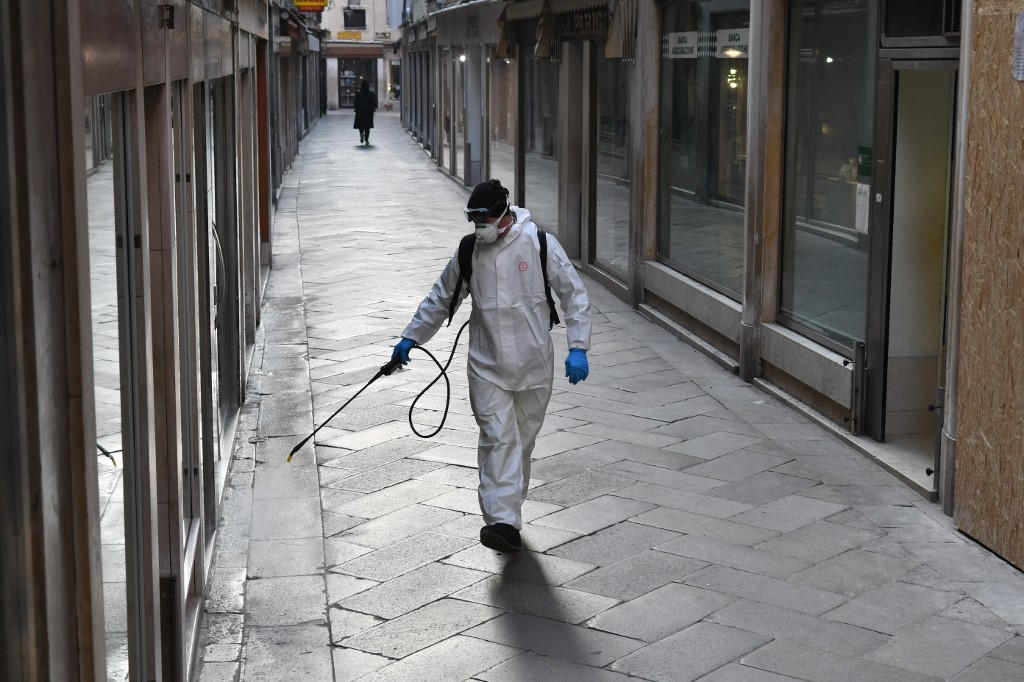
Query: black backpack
x=466, y=248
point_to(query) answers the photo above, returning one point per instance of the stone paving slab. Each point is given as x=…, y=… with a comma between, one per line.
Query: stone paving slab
x=817, y=665
x=683, y=524
x=287, y=653
x=685, y=500
x=735, y=672
x=766, y=590
x=536, y=599
x=402, y=557
x=784, y=624
x=661, y=612
x=419, y=629
x=526, y=565
x=734, y=556
x=705, y=526
x=940, y=647
x=991, y=670
x=399, y=525
x=894, y=607
x=351, y=664
x=412, y=590
x=613, y=544
x=637, y=575
x=552, y=638
x=530, y=666
x=688, y=655
x=457, y=658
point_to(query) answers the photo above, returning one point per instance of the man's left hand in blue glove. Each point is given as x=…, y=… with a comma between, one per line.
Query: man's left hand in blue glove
x=576, y=366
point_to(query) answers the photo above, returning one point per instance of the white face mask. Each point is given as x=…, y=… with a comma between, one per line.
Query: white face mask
x=487, y=233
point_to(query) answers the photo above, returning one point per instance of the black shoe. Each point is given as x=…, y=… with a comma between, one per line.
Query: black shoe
x=501, y=537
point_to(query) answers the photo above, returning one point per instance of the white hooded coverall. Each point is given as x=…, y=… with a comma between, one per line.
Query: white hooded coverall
x=511, y=356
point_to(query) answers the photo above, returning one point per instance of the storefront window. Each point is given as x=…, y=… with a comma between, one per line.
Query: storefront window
x=458, y=113
x=704, y=140
x=612, y=199
x=541, y=142
x=828, y=167
x=446, y=111
x=503, y=122
x=351, y=73
x=112, y=448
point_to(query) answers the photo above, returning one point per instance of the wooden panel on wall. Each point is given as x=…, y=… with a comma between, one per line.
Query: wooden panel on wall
x=215, y=56
x=177, y=42
x=253, y=16
x=197, y=42
x=244, y=50
x=227, y=47
x=989, y=465
x=154, y=37
x=108, y=46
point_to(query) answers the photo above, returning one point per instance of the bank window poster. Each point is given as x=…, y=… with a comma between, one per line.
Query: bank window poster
x=729, y=43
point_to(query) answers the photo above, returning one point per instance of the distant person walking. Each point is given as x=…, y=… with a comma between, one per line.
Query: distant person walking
x=365, y=104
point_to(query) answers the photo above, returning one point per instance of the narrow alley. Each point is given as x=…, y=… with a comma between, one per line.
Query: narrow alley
x=682, y=524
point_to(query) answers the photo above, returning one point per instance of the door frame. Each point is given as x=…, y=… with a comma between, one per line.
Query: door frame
x=875, y=369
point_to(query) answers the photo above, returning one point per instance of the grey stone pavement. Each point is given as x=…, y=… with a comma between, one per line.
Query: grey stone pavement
x=683, y=525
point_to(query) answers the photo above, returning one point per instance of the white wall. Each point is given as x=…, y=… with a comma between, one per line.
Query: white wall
x=920, y=211
x=332, y=83
x=376, y=21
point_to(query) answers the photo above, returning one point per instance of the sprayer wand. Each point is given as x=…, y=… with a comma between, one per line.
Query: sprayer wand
x=384, y=371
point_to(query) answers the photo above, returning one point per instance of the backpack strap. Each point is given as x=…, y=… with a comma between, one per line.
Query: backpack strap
x=542, y=237
x=466, y=247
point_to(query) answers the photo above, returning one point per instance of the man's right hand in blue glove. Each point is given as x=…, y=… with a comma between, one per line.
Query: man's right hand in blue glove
x=402, y=349
x=576, y=366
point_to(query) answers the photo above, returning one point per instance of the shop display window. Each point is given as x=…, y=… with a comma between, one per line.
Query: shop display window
x=704, y=140
x=611, y=227
x=110, y=285
x=501, y=100
x=830, y=108
x=540, y=133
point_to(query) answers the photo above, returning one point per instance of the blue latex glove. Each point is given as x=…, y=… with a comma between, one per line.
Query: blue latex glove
x=402, y=349
x=576, y=366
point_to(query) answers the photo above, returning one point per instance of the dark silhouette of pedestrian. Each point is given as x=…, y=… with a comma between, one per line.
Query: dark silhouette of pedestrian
x=365, y=104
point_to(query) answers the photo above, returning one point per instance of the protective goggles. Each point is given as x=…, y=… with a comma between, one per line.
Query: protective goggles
x=480, y=215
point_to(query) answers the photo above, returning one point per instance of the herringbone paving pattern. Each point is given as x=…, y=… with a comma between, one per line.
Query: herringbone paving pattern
x=682, y=524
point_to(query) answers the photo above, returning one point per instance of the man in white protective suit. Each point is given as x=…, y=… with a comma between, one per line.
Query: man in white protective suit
x=511, y=355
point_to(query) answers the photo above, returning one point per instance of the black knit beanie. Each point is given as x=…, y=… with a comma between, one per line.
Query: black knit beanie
x=490, y=195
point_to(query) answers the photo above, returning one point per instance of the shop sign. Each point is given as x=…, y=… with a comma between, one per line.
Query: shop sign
x=311, y=5
x=683, y=45
x=585, y=24
x=350, y=35
x=382, y=35
x=732, y=43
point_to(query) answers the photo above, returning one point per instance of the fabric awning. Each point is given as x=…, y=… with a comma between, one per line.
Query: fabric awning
x=621, y=43
x=570, y=6
x=351, y=50
x=525, y=9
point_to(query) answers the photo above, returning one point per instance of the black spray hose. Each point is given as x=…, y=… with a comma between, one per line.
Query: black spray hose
x=387, y=370
x=448, y=386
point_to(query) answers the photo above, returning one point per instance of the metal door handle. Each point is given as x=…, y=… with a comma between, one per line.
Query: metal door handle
x=220, y=280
